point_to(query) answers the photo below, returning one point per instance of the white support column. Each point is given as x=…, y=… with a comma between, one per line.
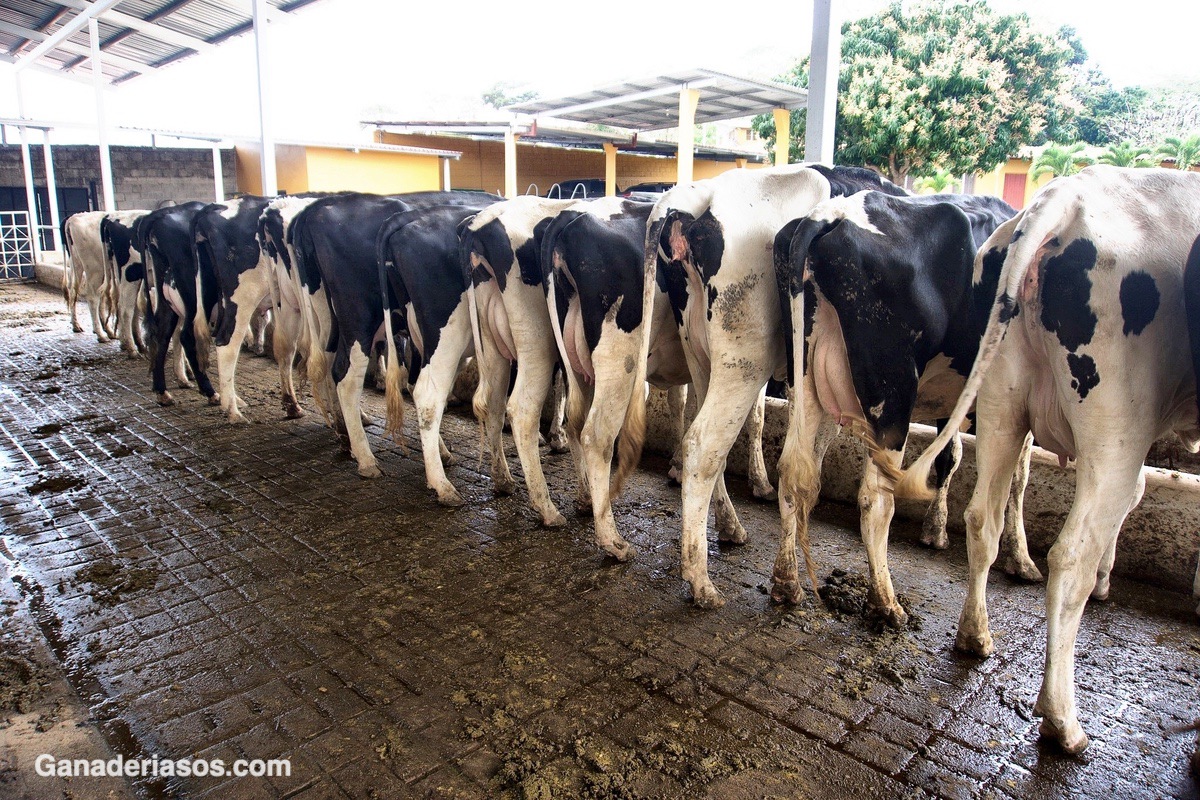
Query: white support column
x=270, y=182
x=610, y=169
x=27, y=166
x=218, y=175
x=689, y=99
x=822, y=83
x=445, y=174
x=52, y=191
x=106, y=176
x=510, y=163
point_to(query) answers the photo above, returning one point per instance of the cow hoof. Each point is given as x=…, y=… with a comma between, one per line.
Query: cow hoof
x=583, y=507
x=621, y=550
x=214, y=399
x=450, y=459
x=737, y=535
x=554, y=520
x=976, y=644
x=236, y=418
x=938, y=540
x=165, y=399
x=1100, y=592
x=895, y=615
x=102, y=339
x=674, y=476
x=77, y=328
x=506, y=486
x=133, y=355
x=786, y=591
x=1070, y=737
x=1025, y=571
x=765, y=493
x=293, y=412
x=186, y=384
x=370, y=471
x=450, y=498
x=558, y=443
x=707, y=597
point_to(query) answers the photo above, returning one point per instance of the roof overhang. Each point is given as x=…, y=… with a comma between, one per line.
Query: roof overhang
x=136, y=36
x=653, y=103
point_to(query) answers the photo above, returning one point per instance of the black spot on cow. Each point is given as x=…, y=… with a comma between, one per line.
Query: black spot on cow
x=1066, y=291
x=1016, y=236
x=1139, y=301
x=135, y=272
x=673, y=280
x=712, y=298
x=529, y=258
x=706, y=241
x=1083, y=369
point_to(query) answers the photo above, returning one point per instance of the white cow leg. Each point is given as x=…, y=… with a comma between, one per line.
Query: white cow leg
x=997, y=451
x=760, y=484
x=558, y=407
x=534, y=376
x=1106, y=488
x=429, y=396
x=227, y=360
x=349, y=394
x=495, y=371
x=579, y=400
x=98, y=326
x=933, y=532
x=1104, y=571
x=181, y=365
x=876, y=508
x=126, y=313
x=284, y=339
x=681, y=404
x=707, y=442
x=1013, y=543
x=71, y=292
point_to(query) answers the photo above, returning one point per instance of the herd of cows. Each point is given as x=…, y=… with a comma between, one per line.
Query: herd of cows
x=1062, y=323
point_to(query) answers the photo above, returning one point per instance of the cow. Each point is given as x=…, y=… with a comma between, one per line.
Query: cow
x=511, y=323
x=714, y=238
x=425, y=300
x=1083, y=348
x=882, y=314
x=1191, y=297
x=166, y=239
x=125, y=275
x=225, y=237
x=84, y=273
x=334, y=249
x=592, y=261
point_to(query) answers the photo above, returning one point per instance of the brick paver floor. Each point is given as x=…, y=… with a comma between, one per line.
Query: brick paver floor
x=238, y=592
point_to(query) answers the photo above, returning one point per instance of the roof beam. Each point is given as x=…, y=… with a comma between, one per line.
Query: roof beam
x=151, y=29
x=661, y=91
x=73, y=26
x=71, y=47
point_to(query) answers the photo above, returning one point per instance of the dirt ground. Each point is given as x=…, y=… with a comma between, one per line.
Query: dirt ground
x=176, y=587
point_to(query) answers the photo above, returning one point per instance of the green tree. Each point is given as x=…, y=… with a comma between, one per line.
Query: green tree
x=956, y=86
x=500, y=95
x=1059, y=161
x=1124, y=154
x=943, y=180
x=1185, y=152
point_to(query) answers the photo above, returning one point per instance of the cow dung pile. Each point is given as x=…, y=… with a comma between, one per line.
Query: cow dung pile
x=21, y=684
x=110, y=580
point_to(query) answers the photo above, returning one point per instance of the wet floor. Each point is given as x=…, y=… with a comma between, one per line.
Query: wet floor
x=238, y=592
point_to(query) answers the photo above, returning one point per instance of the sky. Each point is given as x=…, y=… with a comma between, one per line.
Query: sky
x=337, y=62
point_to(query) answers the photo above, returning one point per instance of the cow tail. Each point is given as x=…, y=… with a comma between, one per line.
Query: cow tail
x=632, y=437
x=316, y=364
x=200, y=324
x=68, y=277
x=1018, y=282
x=479, y=399
x=393, y=388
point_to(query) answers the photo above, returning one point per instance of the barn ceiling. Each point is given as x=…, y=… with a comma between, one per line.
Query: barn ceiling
x=136, y=36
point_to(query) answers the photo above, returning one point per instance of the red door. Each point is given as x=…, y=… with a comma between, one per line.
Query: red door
x=1014, y=190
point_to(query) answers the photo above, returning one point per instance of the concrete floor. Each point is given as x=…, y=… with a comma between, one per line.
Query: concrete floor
x=260, y=600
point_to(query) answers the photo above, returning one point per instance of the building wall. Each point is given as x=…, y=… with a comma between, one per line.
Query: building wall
x=482, y=164
x=332, y=170
x=143, y=177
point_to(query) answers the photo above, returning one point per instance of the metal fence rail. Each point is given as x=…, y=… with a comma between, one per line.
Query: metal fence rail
x=16, y=246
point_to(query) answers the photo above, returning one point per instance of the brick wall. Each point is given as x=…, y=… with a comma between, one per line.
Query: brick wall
x=143, y=177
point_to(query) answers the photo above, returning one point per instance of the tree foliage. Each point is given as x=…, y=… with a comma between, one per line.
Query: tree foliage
x=1125, y=154
x=939, y=86
x=501, y=95
x=1185, y=152
x=943, y=180
x=1059, y=161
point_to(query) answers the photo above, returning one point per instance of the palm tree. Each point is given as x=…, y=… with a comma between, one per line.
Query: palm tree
x=1185, y=152
x=1059, y=161
x=1124, y=154
x=941, y=180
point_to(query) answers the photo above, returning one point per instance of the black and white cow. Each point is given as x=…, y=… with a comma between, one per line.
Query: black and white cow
x=511, y=323
x=165, y=237
x=882, y=315
x=592, y=258
x=225, y=236
x=714, y=238
x=1191, y=296
x=1083, y=347
x=335, y=256
x=425, y=300
x=126, y=274
x=84, y=273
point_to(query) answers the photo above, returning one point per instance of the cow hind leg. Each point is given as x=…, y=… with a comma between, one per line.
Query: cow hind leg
x=180, y=360
x=534, y=377
x=760, y=483
x=126, y=315
x=1017, y=561
x=99, y=326
x=284, y=340
x=1105, y=491
x=876, y=508
x=227, y=359
x=488, y=403
x=430, y=394
x=558, y=407
x=679, y=400
x=187, y=338
x=349, y=394
x=933, y=532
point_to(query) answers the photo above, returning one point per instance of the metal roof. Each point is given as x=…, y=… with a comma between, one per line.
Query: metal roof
x=136, y=36
x=653, y=103
x=548, y=136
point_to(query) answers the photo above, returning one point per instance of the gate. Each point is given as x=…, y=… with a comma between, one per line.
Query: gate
x=16, y=246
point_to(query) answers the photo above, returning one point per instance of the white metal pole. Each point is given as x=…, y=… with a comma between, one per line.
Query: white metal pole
x=270, y=184
x=27, y=165
x=822, y=84
x=106, y=176
x=218, y=175
x=52, y=190
x=445, y=174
